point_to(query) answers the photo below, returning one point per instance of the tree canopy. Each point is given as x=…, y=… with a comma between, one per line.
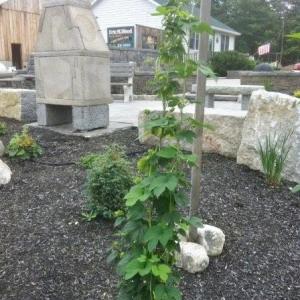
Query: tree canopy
x=261, y=21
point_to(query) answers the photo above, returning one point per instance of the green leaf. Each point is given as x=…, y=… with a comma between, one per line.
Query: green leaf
x=163, y=292
x=159, y=233
x=189, y=159
x=296, y=189
x=163, y=182
x=181, y=199
x=168, y=152
x=194, y=221
x=186, y=135
x=162, y=271
x=202, y=27
x=294, y=36
x=132, y=269
x=137, y=193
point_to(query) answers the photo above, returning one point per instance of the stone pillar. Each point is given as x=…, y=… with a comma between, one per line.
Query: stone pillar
x=210, y=101
x=245, y=101
x=72, y=63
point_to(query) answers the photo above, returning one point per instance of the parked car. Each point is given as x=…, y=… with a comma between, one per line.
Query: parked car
x=297, y=67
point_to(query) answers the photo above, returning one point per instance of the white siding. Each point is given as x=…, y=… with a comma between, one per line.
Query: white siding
x=119, y=13
x=217, y=45
x=231, y=42
x=116, y=13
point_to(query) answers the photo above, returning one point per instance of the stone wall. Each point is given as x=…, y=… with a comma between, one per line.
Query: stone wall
x=144, y=59
x=283, y=82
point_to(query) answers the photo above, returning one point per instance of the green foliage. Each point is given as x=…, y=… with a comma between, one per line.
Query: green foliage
x=148, y=241
x=109, y=179
x=230, y=61
x=297, y=94
x=23, y=146
x=296, y=189
x=273, y=154
x=89, y=160
x=3, y=128
x=268, y=84
x=260, y=21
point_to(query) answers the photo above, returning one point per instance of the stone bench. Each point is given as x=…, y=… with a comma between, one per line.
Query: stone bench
x=244, y=91
x=18, y=104
x=125, y=71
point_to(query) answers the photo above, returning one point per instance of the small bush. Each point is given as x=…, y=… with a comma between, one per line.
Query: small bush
x=273, y=154
x=109, y=179
x=230, y=61
x=23, y=146
x=264, y=67
x=297, y=94
x=88, y=161
x=3, y=128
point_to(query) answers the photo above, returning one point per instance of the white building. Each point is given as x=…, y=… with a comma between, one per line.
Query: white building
x=130, y=24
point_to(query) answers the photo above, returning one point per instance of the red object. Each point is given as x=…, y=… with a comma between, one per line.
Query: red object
x=297, y=67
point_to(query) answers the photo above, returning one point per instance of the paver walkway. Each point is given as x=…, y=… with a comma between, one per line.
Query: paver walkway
x=128, y=112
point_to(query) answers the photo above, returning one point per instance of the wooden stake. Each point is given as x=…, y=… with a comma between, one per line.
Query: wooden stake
x=205, y=16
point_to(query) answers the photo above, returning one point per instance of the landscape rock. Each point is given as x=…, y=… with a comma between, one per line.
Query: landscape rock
x=2, y=149
x=224, y=138
x=212, y=239
x=271, y=113
x=5, y=173
x=193, y=258
x=18, y=104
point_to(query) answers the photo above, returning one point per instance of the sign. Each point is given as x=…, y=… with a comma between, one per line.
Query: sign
x=120, y=37
x=264, y=49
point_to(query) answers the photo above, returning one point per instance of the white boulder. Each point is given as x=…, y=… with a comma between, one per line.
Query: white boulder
x=224, y=138
x=212, y=239
x=5, y=173
x=271, y=113
x=192, y=258
x=2, y=149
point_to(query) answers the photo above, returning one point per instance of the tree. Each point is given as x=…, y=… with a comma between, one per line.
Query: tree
x=255, y=20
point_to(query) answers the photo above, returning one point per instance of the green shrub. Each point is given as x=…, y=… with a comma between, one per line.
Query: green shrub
x=230, y=61
x=109, y=179
x=273, y=154
x=23, y=146
x=89, y=160
x=3, y=128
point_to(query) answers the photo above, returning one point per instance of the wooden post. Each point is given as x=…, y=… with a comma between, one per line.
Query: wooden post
x=205, y=16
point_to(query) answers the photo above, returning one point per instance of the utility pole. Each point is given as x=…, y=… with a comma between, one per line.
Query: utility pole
x=205, y=16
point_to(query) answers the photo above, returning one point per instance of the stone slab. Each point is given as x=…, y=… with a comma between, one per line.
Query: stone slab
x=61, y=80
x=67, y=129
x=18, y=104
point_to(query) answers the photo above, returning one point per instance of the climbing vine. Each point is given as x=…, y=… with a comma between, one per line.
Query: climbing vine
x=148, y=238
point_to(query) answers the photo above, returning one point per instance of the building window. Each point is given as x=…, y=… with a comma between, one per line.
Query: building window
x=224, y=42
x=194, y=41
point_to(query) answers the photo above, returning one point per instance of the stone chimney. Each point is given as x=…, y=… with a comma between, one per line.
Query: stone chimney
x=72, y=63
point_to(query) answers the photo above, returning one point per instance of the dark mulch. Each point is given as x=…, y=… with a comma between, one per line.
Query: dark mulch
x=47, y=252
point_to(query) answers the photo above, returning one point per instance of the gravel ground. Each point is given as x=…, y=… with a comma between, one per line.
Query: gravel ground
x=47, y=252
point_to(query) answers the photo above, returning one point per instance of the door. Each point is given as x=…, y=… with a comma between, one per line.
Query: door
x=16, y=50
